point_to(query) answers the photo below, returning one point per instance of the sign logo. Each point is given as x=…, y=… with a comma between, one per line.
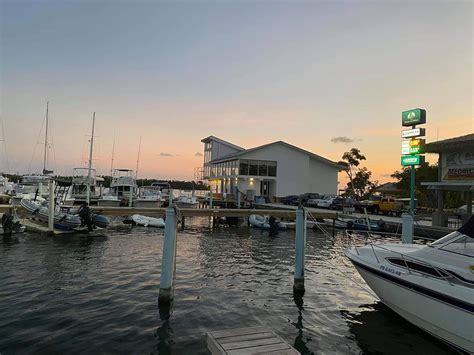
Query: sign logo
x=413, y=117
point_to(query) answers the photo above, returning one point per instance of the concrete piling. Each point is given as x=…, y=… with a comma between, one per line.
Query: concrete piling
x=300, y=243
x=51, y=207
x=407, y=228
x=168, y=262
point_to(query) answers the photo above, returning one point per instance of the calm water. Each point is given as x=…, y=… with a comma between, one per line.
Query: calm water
x=79, y=294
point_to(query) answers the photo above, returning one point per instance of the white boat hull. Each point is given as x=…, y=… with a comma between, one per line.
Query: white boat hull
x=443, y=320
x=147, y=203
x=108, y=203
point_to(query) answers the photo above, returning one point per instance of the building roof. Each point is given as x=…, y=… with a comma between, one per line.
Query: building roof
x=215, y=139
x=455, y=143
x=388, y=187
x=243, y=152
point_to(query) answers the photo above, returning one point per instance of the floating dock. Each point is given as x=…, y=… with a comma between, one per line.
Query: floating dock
x=244, y=341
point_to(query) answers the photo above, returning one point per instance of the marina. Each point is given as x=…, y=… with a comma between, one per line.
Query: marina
x=236, y=178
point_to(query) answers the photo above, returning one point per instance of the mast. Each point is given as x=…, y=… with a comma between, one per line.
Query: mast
x=112, y=161
x=88, y=191
x=45, y=156
x=138, y=157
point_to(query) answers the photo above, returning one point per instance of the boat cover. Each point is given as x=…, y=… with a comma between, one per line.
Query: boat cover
x=468, y=228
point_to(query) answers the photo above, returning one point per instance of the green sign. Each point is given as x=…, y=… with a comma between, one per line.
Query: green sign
x=410, y=160
x=413, y=117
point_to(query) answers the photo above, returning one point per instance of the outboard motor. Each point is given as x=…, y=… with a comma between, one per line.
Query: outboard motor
x=84, y=213
x=381, y=223
x=273, y=226
x=7, y=224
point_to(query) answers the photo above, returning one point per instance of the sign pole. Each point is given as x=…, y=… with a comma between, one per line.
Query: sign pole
x=412, y=190
x=412, y=155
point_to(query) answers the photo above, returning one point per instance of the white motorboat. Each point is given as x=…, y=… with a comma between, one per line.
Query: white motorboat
x=186, y=202
x=432, y=286
x=109, y=200
x=149, y=196
x=80, y=180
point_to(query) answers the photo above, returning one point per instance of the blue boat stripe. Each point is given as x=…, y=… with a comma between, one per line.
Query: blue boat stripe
x=469, y=307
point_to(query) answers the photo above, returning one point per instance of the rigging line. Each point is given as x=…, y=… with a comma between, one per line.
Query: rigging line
x=5, y=146
x=52, y=143
x=36, y=145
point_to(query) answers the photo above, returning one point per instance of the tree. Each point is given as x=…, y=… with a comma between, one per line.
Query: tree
x=361, y=184
x=351, y=160
x=423, y=173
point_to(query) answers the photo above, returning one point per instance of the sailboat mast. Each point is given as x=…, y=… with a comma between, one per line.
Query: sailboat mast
x=112, y=161
x=88, y=191
x=46, y=139
x=138, y=158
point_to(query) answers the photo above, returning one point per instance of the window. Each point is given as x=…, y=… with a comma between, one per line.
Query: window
x=262, y=169
x=272, y=168
x=244, y=167
x=253, y=167
x=425, y=269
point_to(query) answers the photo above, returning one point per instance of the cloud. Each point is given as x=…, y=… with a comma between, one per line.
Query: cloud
x=165, y=155
x=198, y=154
x=342, y=139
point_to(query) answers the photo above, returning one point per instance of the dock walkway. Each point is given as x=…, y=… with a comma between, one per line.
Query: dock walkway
x=255, y=340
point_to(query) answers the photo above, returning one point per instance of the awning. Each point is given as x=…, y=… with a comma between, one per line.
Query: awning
x=450, y=185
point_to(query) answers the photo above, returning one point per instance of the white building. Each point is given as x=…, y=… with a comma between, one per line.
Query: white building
x=272, y=170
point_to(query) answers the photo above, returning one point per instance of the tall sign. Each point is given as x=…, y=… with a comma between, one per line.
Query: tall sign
x=413, y=146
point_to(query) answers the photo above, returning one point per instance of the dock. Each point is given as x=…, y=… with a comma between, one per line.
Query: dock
x=244, y=341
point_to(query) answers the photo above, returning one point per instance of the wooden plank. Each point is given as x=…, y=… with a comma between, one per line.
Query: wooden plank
x=240, y=331
x=260, y=349
x=251, y=343
x=213, y=345
x=233, y=339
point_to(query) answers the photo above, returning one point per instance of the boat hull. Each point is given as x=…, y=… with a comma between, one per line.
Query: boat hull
x=441, y=319
x=108, y=203
x=146, y=203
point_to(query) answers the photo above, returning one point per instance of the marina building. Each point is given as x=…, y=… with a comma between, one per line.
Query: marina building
x=271, y=170
x=455, y=173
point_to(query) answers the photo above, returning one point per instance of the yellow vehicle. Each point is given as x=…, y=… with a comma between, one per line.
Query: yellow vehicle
x=390, y=206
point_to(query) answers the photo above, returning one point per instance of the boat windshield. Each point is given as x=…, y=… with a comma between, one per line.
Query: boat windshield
x=456, y=242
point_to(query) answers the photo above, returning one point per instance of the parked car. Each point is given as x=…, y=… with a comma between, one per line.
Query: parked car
x=306, y=197
x=326, y=203
x=289, y=200
x=339, y=203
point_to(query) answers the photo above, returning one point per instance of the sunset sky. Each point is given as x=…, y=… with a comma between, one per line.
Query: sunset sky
x=250, y=72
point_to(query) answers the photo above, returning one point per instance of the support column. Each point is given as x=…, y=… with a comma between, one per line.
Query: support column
x=238, y=199
x=51, y=207
x=407, y=228
x=300, y=244
x=168, y=261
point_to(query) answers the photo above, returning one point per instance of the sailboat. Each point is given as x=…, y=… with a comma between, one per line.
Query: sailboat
x=35, y=186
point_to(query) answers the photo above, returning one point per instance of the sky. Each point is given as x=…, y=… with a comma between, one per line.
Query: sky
x=323, y=75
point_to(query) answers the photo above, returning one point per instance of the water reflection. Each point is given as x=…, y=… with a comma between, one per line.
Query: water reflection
x=300, y=343
x=375, y=322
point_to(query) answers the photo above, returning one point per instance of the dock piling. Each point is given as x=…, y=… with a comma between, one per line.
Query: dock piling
x=51, y=207
x=168, y=261
x=407, y=228
x=300, y=244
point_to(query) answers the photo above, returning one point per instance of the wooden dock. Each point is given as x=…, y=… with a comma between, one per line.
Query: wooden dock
x=244, y=341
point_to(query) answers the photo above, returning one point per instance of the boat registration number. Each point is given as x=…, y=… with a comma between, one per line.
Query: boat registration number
x=390, y=270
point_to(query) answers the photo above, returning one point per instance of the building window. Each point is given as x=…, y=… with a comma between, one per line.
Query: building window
x=244, y=167
x=272, y=168
x=262, y=168
x=253, y=167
